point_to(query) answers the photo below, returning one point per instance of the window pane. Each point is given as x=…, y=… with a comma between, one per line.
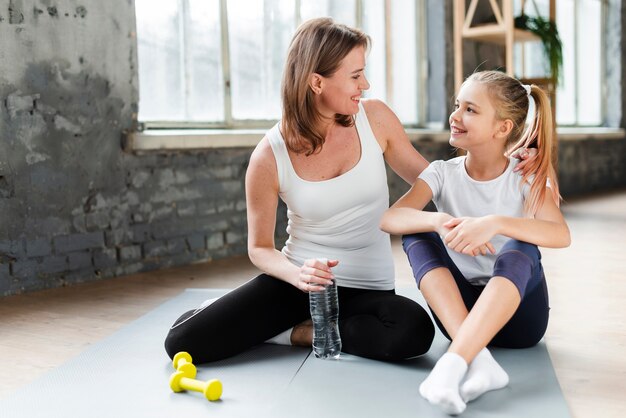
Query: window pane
x=589, y=62
x=161, y=82
x=530, y=60
x=374, y=26
x=566, y=91
x=341, y=11
x=404, y=74
x=259, y=35
x=180, y=55
x=205, y=80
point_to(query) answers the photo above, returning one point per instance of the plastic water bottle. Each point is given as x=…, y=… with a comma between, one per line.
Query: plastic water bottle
x=325, y=316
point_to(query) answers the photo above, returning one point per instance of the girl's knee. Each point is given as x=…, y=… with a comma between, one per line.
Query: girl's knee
x=530, y=250
x=425, y=252
x=521, y=339
x=518, y=262
x=427, y=237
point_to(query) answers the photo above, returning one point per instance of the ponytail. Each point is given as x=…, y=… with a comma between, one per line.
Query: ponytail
x=540, y=134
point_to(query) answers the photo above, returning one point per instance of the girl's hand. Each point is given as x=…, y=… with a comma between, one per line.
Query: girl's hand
x=471, y=236
x=442, y=221
x=315, y=274
x=525, y=155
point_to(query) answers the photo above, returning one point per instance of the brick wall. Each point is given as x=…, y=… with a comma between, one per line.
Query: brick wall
x=179, y=208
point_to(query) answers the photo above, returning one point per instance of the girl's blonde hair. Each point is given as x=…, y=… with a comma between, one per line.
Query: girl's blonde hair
x=511, y=101
x=318, y=46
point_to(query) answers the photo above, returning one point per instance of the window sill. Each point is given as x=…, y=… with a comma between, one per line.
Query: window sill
x=198, y=139
x=154, y=140
x=573, y=133
x=192, y=139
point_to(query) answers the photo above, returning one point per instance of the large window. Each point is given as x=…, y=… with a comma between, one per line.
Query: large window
x=218, y=63
x=579, y=98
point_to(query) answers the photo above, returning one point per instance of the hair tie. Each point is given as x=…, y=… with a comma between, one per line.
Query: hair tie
x=527, y=87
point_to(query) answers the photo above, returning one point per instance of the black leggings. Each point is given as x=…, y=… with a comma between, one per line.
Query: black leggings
x=373, y=323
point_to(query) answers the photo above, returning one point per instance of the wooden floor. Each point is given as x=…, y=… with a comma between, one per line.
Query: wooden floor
x=586, y=337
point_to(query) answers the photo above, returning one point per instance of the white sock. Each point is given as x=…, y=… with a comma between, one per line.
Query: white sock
x=205, y=304
x=484, y=374
x=284, y=338
x=441, y=387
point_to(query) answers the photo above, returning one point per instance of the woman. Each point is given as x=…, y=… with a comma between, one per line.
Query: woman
x=326, y=160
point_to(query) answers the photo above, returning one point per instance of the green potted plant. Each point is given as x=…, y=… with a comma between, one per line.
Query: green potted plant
x=547, y=31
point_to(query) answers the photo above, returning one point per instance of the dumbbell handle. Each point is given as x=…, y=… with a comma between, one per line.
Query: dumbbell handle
x=212, y=389
x=193, y=384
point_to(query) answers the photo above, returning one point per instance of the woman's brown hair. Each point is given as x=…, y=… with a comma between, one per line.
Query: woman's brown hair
x=318, y=46
x=511, y=101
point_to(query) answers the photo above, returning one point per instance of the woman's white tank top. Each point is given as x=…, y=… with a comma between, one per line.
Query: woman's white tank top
x=339, y=218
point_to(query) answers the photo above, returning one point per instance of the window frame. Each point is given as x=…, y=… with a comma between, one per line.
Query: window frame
x=603, y=66
x=247, y=124
x=520, y=61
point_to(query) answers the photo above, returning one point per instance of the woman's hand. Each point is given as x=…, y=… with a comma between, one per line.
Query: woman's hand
x=315, y=274
x=525, y=155
x=471, y=236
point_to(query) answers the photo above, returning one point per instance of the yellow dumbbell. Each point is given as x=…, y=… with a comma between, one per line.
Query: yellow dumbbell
x=212, y=389
x=182, y=363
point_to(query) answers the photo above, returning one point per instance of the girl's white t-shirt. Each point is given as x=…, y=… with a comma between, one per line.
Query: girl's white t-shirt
x=457, y=194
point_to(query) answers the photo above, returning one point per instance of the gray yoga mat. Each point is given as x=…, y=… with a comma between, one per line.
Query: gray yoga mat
x=126, y=375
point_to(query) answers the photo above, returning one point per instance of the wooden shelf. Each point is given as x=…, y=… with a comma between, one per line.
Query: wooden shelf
x=496, y=34
x=502, y=33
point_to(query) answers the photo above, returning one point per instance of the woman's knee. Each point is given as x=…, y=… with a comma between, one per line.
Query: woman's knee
x=399, y=329
x=188, y=333
x=414, y=335
x=424, y=331
x=177, y=338
x=174, y=344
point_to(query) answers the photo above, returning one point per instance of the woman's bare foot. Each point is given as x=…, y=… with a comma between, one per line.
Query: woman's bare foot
x=302, y=334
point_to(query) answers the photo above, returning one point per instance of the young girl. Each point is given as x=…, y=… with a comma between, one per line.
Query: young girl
x=476, y=260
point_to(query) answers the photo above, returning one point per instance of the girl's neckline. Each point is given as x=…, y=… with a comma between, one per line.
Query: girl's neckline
x=495, y=179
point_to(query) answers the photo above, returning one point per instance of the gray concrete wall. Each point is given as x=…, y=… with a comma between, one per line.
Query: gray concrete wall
x=75, y=207
x=591, y=165
x=437, y=107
